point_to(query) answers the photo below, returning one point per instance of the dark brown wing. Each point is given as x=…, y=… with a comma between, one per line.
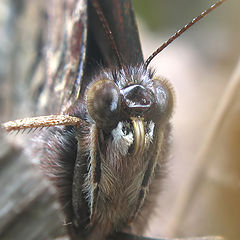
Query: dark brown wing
x=120, y=17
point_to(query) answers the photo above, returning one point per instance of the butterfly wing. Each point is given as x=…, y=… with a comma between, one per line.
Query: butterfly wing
x=65, y=52
x=121, y=20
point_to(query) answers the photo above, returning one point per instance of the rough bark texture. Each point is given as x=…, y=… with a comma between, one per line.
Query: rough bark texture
x=28, y=209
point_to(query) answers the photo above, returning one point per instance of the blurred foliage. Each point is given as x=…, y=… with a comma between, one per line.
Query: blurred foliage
x=162, y=14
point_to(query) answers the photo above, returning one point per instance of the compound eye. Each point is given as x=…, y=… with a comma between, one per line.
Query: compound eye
x=164, y=99
x=103, y=103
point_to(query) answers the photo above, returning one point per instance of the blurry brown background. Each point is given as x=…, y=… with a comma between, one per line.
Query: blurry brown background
x=201, y=195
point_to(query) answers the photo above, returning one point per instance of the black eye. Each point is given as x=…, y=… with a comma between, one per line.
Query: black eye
x=164, y=100
x=103, y=103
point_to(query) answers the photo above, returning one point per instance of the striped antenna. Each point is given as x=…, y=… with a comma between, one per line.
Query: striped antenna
x=181, y=31
x=108, y=31
x=40, y=122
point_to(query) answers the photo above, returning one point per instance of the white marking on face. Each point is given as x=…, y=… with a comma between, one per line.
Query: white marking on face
x=122, y=137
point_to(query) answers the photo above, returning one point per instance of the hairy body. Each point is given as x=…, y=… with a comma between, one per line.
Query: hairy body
x=102, y=186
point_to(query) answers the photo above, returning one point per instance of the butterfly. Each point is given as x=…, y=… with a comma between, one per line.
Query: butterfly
x=105, y=150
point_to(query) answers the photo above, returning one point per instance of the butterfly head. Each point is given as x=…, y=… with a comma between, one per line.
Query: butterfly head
x=136, y=100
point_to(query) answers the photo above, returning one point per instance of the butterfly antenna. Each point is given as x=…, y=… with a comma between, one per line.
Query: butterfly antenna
x=108, y=31
x=181, y=31
x=40, y=122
